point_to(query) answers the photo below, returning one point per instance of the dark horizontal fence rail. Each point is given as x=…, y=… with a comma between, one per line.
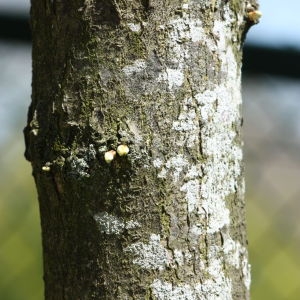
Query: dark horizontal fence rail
x=257, y=59
x=273, y=61
x=14, y=28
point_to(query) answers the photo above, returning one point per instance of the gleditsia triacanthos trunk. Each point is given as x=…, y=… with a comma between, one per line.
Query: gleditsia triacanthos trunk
x=166, y=220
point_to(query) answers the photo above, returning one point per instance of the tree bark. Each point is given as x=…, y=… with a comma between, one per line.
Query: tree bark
x=166, y=220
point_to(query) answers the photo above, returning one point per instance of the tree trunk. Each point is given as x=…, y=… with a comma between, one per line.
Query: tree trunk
x=166, y=220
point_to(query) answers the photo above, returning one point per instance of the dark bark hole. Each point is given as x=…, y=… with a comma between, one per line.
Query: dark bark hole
x=107, y=12
x=147, y=4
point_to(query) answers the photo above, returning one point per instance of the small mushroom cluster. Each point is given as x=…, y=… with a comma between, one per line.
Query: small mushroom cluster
x=253, y=14
x=110, y=155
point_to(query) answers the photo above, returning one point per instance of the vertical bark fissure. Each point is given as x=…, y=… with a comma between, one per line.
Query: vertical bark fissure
x=162, y=77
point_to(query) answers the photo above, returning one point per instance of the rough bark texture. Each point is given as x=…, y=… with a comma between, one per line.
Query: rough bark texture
x=167, y=220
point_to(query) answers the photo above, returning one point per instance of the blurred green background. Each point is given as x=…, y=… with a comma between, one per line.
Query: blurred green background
x=20, y=247
x=20, y=238
x=272, y=163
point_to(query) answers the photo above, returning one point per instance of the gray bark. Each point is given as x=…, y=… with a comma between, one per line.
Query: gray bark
x=165, y=221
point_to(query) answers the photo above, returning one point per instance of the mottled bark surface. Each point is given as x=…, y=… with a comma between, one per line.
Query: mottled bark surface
x=167, y=220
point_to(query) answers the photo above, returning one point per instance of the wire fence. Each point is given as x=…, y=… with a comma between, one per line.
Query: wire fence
x=272, y=148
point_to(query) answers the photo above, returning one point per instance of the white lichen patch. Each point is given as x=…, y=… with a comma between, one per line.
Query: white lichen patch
x=180, y=30
x=168, y=291
x=232, y=250
x=162, y=173
x=246, y=269
x=79, y=166
x=174, y=166
x=218, y=289
x=178, y=257
x=110, y=224
x=219, y=111
x=134, y=27
x=194, y=172
x=185, y=121
x=210, y=118
x=196, y=31
x=138, y=66
x=195, y=231
x=209, y=290
x=214, y=266
x=131, y=224
x=174, y=77
x=214, y=207
x=150, y=256
x=183, y=30
x=218, y=286
x=157, y=163
x=187, y=125
x=237, y=256
x=207, y=187
x=192, y=190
